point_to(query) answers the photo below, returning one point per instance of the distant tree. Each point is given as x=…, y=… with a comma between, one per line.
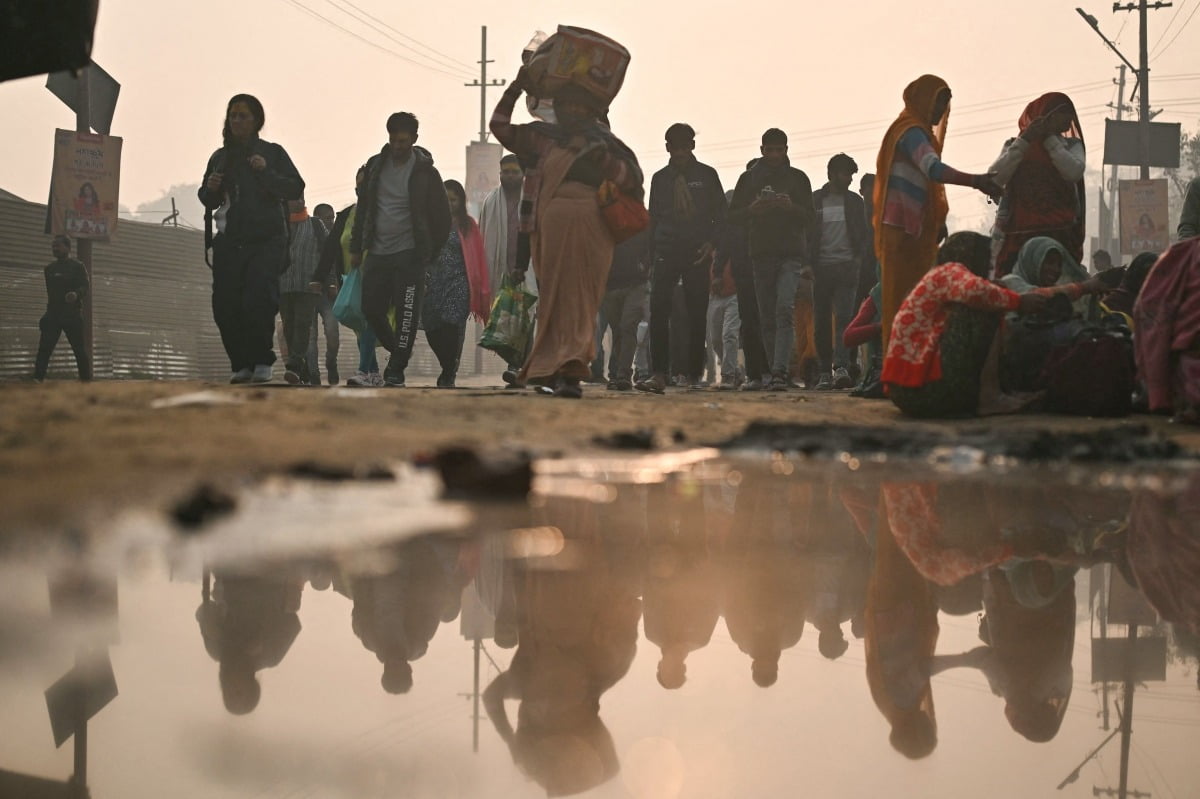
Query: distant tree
x=1189, y=168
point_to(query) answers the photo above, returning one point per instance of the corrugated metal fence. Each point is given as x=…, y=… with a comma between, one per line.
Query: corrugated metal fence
x=152, y=312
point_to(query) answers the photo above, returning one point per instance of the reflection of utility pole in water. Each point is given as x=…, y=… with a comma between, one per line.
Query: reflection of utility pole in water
x=83, y=246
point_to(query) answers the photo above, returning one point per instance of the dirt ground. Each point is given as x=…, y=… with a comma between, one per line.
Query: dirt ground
x=71, y=453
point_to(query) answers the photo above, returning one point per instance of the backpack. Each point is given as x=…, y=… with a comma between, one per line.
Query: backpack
x=1093, y=374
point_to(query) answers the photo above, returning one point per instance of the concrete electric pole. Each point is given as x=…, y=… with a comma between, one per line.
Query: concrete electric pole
x=483, y=85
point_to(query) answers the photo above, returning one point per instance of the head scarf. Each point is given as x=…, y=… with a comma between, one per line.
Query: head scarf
x=920, y=96
x=1038, y=197
x=1026, y=273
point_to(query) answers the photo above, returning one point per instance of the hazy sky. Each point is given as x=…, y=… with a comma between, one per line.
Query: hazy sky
x=831, y=74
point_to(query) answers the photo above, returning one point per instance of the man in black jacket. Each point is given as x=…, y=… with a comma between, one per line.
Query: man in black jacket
x=66, y=284
x=687, y=212
x=402, y=223
x=836, y=249
x=774, y=201
x=246, y=184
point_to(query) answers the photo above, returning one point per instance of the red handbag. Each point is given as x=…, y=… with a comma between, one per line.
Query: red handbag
x=624, y=215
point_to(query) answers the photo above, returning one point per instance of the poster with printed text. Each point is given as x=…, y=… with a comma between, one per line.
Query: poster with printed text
x=84, y=185
x=1145, y=222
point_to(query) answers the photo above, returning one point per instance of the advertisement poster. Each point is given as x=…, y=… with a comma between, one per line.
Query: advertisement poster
x=1145, y=222
x=483, y=173
x=84, y=185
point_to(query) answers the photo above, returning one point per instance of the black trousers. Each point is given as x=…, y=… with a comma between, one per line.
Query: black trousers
x=298, y=309
x=245, y=298
x=669, y=271
x=757, y=364
x=446, y=341
x=396, y=280
x=52, y=327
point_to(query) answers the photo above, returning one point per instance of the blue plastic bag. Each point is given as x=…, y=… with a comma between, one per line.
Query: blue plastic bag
x=347, y=308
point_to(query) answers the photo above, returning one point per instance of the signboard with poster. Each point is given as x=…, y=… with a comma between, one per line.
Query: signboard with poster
x=1145, y=222
x=483, y=173
x=84, y=185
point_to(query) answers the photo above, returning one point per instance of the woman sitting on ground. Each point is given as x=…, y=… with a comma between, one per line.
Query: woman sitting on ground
x=1167, y=345
x=942, y=358
x=1045, y=263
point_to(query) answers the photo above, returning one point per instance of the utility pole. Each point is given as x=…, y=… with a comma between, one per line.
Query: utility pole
x=83, y=246
x=483, y=85
x=1112, y=218
x=1143, y=7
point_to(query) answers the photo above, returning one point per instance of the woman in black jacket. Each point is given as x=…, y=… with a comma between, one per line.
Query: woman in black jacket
x=247, y=183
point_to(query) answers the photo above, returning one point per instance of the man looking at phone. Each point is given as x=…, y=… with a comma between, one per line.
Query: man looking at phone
x=773, y=200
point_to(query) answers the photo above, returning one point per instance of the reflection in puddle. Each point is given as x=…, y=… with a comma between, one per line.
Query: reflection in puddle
x=702, y=626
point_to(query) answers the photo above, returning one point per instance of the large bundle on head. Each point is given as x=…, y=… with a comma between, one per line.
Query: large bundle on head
x=582, y=58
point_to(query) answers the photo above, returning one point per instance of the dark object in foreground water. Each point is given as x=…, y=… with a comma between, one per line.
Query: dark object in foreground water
x=202, y=506
x=466, y=475
x=314, y=470
x=642, y=438
x=1109, y=444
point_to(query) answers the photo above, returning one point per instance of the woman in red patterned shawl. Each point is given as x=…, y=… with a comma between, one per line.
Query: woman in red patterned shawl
x=1041, y=171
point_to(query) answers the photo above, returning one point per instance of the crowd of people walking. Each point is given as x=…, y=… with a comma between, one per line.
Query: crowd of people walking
x=771, y=286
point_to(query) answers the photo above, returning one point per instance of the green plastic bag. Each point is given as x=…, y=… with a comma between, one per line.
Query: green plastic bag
x=510, y=321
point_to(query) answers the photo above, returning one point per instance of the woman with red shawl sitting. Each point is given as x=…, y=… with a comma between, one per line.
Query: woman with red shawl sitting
x=1041, y=171
x=943, y=357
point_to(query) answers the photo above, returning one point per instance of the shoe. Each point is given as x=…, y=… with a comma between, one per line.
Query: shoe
x=393, y=377
x=331, y=374
x=680, y=381
x=697, y=383
x=314, y=379
x=445, y=381
x=263, y=373
x=375, y=380
x=842, y=378
x=510, y=378
x=238, y=377
x=624, y=384
x=291, y=377
x=358, y=380
x=655, y=384
x=726, y=384
x=778, y=383
x=568, y=388
x=612, y=386
x=752, y=385
x=824, y=382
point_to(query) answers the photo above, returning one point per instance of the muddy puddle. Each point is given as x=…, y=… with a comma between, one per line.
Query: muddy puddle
x=683, y=623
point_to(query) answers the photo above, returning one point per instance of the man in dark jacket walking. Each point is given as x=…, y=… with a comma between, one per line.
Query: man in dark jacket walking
x=402, y=223
x=66, y=284
x=774, y=201
x=836, y=250
x=687, y=212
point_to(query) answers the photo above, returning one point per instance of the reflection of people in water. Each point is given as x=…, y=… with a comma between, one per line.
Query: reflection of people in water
x=901, y=635
x=1164, y=552
x=397, y=612
x=766, y=578
x=1029, y=632
x=248, y=624
x=841, y=568
x=681, y=594
x=578, y=614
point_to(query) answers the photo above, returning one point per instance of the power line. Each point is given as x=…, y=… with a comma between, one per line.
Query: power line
x=297, y=4
x=452, y=61
x=1182, y=28
x=366, y=19
x=1166, y=29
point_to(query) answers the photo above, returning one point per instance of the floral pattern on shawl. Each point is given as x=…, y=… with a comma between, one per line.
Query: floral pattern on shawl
x=913, y=354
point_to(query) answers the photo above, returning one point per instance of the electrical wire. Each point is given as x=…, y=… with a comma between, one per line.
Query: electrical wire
x=1167, y=29
x=1182, y=28
x=369, y=21
x=450, y=60
x=317, y=15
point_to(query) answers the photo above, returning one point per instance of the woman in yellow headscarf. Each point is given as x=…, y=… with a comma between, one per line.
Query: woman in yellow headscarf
x=910, y=193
